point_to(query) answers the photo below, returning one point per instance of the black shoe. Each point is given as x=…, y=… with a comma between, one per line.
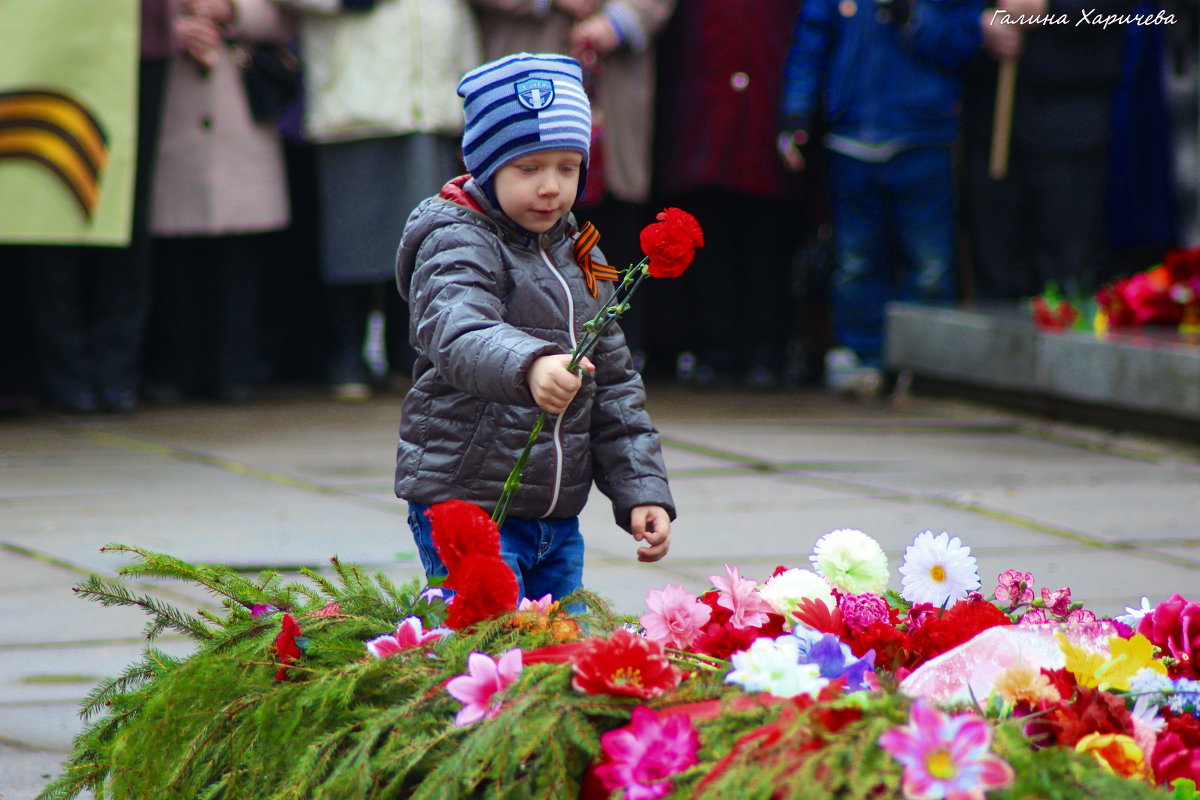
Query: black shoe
x=118, y=401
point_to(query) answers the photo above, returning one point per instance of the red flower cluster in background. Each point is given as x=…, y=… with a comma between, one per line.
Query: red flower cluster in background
x=1168, y=294
x=468, y=542
x=671, y=243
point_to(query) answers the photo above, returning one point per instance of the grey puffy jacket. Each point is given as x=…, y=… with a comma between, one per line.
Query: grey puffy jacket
x=486, y=298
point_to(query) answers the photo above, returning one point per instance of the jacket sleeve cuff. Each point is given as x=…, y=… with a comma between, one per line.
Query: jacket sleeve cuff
x=790, y=123
x=627, y=25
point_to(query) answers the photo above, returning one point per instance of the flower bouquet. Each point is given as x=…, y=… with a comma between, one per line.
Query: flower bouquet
x=816, y=682
x=1167, y=294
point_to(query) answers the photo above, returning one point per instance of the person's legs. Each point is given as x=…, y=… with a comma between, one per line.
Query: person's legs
x=1067, y=219
x=55, y=277
x=546, y=555
x=921, y=182
x=862, y=282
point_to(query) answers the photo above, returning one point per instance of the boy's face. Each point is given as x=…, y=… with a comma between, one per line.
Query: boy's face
x=539, y=189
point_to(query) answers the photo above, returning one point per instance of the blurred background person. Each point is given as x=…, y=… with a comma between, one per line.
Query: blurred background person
x=384, y=120
x=219, y=180
x=89, y=305
x=887, y=76
x=614, y=40
x=720, y=78
x=1044, y=219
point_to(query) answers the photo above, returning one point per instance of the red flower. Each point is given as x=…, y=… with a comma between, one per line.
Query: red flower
x=818, y=616
x=892, y=647
x=1090, y=711
x=624, y=664
x=461, y=528
x=1174, y=625
x=484, y=587
x=961, y=622
x=287, y=648
x=1173, y=759
x=671, y=243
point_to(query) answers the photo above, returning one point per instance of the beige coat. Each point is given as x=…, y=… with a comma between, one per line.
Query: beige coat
x=216, y=170
x=388, y=71
x=625, y=86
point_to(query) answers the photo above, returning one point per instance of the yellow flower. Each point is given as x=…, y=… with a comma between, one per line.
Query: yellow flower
x=1116, y=752
x=1126, y=657
x=1025, y=684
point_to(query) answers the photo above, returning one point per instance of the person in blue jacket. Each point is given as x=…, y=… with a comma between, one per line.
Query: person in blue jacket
x=886, y=78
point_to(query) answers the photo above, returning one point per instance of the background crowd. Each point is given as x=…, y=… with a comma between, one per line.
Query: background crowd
x=838, y=154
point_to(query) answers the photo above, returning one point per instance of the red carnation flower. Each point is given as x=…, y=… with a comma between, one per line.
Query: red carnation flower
x=960, y=623
x=892, y=647
x=723, y=640
x=461, y=528
x=484, y=586
x=624, y=664
x=287, y=648
x=1091, y=711
x=671, y=243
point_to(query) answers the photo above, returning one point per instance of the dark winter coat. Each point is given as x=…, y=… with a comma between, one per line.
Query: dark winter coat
x=878, y=82
x=485, y=299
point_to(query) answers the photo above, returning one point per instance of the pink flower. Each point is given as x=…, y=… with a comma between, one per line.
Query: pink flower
x=675, y=617
x=1080, y=616
x=642, y=757
x=541, y=606
x=1174, y=625
x=946, y=756
x=1035, y=616
x=860, y=611
x=479, y=689
x=1015, y=588
x=748, y=608
x=919, y=614
x=1058, y=601
x=409, y=634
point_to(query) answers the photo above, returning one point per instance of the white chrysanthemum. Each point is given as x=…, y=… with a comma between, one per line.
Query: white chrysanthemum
x=938, y=570
x=773, y=665
x=851, y=561
x=785, y=591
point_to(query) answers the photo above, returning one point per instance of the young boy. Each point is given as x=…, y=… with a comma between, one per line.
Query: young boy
x=497, y=301
x=887, y=74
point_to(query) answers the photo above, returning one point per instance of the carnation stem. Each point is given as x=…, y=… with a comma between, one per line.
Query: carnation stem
x=616, y=305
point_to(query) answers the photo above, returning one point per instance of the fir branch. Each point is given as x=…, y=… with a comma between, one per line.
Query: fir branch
x=109, y=593
x=321, y=581
x=152, y=665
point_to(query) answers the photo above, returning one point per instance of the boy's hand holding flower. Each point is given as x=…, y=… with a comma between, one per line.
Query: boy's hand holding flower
x=553, y=384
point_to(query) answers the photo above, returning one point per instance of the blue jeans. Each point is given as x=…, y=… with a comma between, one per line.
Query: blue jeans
x=546, y=555
x=894, y=237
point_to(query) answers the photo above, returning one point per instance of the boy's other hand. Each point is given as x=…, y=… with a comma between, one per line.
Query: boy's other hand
x=652, y=525
x=554, y=386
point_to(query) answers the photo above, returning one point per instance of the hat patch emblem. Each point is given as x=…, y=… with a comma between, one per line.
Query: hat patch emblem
x=535, y=93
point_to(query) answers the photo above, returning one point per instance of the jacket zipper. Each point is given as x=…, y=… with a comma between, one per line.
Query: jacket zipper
x=558, y=449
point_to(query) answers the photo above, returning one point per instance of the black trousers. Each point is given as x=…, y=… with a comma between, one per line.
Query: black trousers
x=89, y=305
x=1043, y=222
x=205, y=328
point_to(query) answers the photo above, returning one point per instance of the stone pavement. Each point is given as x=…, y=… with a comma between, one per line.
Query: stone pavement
x=296, y=478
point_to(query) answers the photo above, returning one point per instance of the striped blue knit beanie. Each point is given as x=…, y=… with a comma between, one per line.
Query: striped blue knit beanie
x=522, y=104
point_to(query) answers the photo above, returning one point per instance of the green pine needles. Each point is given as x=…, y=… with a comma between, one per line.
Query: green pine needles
x=339, y=723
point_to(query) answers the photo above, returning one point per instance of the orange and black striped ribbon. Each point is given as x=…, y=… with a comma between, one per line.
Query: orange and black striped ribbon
x=592, y=269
